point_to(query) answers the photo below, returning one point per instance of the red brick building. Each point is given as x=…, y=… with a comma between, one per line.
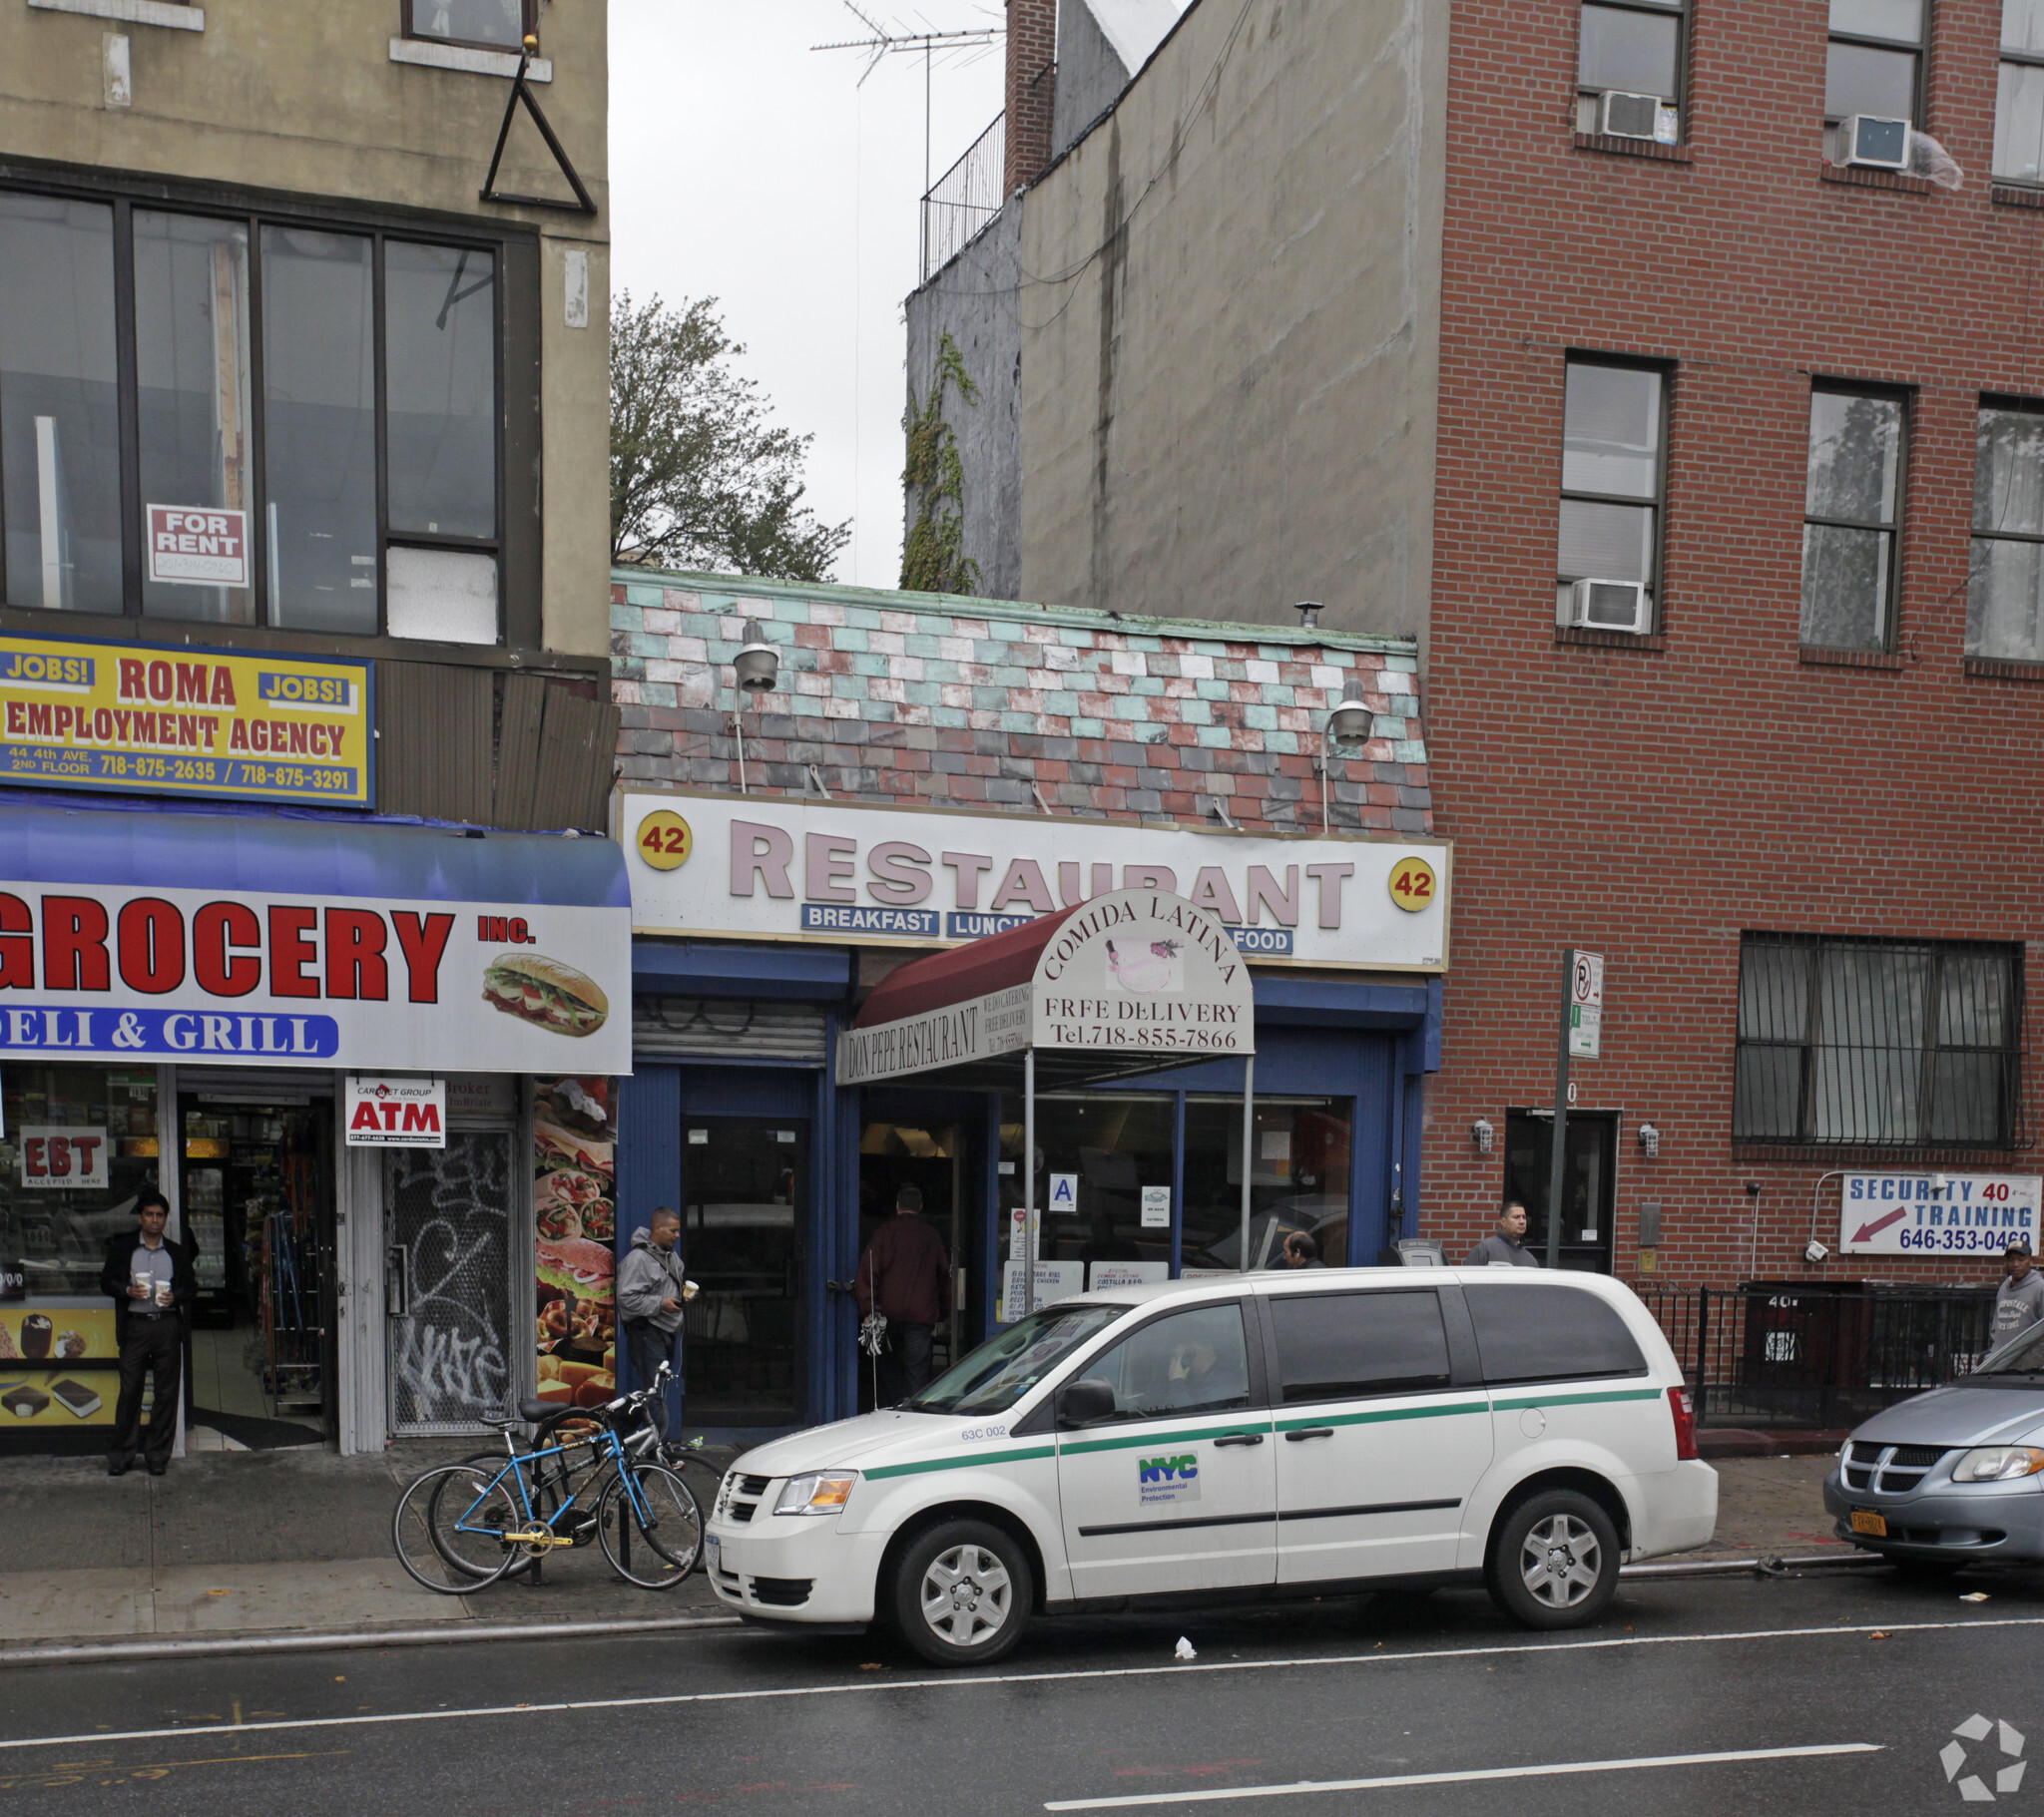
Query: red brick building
x=1748, y=766
x=1692, y=430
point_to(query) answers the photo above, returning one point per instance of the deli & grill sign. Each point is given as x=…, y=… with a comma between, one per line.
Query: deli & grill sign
x=1135, y=972
x=175, y=719
x=124, y=973
x=762, y=868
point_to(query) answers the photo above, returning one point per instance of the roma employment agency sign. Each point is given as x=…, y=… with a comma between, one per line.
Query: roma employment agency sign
x=772, y=868
x=1136, y=971
x=178, y=720
x=1931, y=1213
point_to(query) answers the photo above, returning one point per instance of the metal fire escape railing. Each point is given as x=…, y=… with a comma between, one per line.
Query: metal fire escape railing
x=964, y=198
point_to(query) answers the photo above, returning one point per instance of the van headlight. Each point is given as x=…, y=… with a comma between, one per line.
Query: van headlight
x=826, y=1493
x=1997, y=1463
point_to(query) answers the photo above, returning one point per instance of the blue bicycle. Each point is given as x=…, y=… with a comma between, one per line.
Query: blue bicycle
x=596, y=1472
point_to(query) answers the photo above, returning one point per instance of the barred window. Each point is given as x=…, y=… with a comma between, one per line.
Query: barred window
x=1876, y=1043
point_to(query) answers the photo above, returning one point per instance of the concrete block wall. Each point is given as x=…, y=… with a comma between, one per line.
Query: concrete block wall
x=942, y=702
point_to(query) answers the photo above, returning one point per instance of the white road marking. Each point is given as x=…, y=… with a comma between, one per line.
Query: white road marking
x=1464, y=1778
x=959, y=1682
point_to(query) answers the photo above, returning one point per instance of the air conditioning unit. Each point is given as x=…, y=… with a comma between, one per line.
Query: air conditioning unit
x=1623, y=115
x=1871, y=140
x=1610, y=606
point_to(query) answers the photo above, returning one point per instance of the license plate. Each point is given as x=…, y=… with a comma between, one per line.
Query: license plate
x=715, y=1546
x=1868, y=1522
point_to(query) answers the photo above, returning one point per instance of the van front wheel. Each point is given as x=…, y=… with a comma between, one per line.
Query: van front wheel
x=962, y=1594
x=1555, y=1560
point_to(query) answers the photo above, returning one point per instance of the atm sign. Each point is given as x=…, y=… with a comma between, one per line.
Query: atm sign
x=396, y=1113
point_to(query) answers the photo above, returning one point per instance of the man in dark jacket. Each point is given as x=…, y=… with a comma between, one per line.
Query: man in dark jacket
x=651, y=1292
x=148, y=1279
x=905, y=1276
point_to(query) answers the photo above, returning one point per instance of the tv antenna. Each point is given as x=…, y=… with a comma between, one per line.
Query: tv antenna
x=932, y=44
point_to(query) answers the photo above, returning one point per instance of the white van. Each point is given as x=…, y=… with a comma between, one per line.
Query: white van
x=1251, y=1438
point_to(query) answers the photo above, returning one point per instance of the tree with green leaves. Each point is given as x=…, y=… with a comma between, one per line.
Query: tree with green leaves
x=699, y=476
x=932, y=559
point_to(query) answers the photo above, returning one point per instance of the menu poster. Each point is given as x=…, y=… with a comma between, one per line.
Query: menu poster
x=574, y=1172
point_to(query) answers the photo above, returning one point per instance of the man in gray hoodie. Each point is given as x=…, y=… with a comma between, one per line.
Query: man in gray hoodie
x=650, y=1290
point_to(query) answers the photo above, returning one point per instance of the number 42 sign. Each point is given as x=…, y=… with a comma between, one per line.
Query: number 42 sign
x=1586, y=1006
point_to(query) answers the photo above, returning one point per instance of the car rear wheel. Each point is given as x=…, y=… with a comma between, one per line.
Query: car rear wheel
x=961, y=1593
x=1554, y=1561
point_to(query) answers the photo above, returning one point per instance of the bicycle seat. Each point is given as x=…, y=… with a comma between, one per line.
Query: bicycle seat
x=533, y=1411
x=503, y=1422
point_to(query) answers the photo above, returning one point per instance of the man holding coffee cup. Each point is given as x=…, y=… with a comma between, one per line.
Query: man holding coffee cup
x=148, y=1279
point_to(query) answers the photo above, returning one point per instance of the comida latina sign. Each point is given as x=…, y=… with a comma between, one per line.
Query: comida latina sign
x=765, y=868
x=1927, y=1214
x=1136, y=971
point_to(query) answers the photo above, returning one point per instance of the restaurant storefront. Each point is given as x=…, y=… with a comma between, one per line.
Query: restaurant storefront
x=765, y=928
x=354, y=1056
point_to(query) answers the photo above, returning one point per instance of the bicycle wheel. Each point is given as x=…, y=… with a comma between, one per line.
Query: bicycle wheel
x=448, y=1529
x=539, y=1486
x=658, y=1551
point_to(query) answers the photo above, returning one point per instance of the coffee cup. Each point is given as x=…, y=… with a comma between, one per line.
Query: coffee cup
x=163, y=1293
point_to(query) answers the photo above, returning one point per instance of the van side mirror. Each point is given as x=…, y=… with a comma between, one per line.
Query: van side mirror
x=1081, y=1403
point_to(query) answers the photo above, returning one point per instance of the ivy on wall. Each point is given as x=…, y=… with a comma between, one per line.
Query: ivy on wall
x=932, y=559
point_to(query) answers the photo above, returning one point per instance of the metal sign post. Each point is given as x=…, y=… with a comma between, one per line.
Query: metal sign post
x=1249, y=1127
x=1028, y=1181
x=1582, y=1015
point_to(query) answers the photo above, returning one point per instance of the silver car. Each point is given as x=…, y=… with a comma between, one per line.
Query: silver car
x=1954, y=1476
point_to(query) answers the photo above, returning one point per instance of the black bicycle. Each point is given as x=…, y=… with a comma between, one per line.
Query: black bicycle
x=600, y=1473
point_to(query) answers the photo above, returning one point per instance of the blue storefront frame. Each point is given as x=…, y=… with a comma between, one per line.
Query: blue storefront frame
x=1369, y=1044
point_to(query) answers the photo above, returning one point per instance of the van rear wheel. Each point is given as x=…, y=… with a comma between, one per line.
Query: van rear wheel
x=1554, y=1563
x=961, y=1593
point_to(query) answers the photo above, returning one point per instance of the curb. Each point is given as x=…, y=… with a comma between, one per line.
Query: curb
x=101, y=1653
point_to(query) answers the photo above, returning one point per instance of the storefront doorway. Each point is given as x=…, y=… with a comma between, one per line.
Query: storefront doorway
x=1588, y=1182
x=934, y=1158
x=256, y=1192
x=744, y=1219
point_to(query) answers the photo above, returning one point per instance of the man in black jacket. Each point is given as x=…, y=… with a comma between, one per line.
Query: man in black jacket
x=148, y=1279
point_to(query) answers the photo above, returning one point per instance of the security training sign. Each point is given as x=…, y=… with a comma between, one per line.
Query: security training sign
x=127, y=973
x=769, y=868
x=1930, y=1213
x=174, y=720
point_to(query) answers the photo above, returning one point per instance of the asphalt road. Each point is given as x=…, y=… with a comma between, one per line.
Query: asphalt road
x=1839, y=1689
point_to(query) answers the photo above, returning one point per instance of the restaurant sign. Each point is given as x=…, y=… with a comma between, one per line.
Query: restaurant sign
x=1136, y=973
x=770, y=868
x=184, y=720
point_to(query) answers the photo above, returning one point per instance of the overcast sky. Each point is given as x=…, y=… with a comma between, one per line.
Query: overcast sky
x=746, y=167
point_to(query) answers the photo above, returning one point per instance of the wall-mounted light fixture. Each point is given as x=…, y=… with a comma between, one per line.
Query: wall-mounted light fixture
x=1650, y=1139
x=1484, y=1136
x=756, y=666
x=1348, y=724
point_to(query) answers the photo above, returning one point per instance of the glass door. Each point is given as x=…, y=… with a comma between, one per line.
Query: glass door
x=447, y=1281
x=932, y=1157
x=744, y=1186
x=1588, y=1182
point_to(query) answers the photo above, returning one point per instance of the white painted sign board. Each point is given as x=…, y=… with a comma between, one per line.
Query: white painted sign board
x=1924, y=1213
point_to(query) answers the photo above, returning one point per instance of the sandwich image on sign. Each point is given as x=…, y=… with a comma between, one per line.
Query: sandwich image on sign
x=546, y=991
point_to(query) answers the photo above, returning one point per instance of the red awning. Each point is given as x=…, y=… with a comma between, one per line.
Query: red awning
x=964, y=974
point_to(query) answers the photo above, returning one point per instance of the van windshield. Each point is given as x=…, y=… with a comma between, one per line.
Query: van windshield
x=1003, y=1369
x=2023, y=1355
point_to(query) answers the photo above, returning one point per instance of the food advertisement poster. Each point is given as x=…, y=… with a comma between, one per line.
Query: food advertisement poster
x=51, y=1371
x=178, y=720
x=574, y=1172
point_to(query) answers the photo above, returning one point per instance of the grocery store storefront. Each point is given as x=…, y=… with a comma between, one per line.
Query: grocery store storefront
x=764, y=926
x=354, y=1056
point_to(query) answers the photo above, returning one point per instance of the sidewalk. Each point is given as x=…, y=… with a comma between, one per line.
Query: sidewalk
x=243, y=1542
x=233, y=1544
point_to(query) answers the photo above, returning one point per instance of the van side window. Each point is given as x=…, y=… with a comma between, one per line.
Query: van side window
x=1192, y=1362
x=1547, y=1331
x=1338, y=1346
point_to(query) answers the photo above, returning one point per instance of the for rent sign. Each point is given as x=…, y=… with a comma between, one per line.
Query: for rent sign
x=1924, y=1213
x=304, y=980
x=198, y=545
x=173, y=720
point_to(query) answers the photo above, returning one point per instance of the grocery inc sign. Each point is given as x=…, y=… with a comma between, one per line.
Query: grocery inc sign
x=179, y=721
x=321, y=976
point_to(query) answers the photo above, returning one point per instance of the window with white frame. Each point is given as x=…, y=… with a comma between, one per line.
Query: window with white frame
x=2005, y=592
x=1632, y=47
x=2019, y=104
x=1852, y=518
